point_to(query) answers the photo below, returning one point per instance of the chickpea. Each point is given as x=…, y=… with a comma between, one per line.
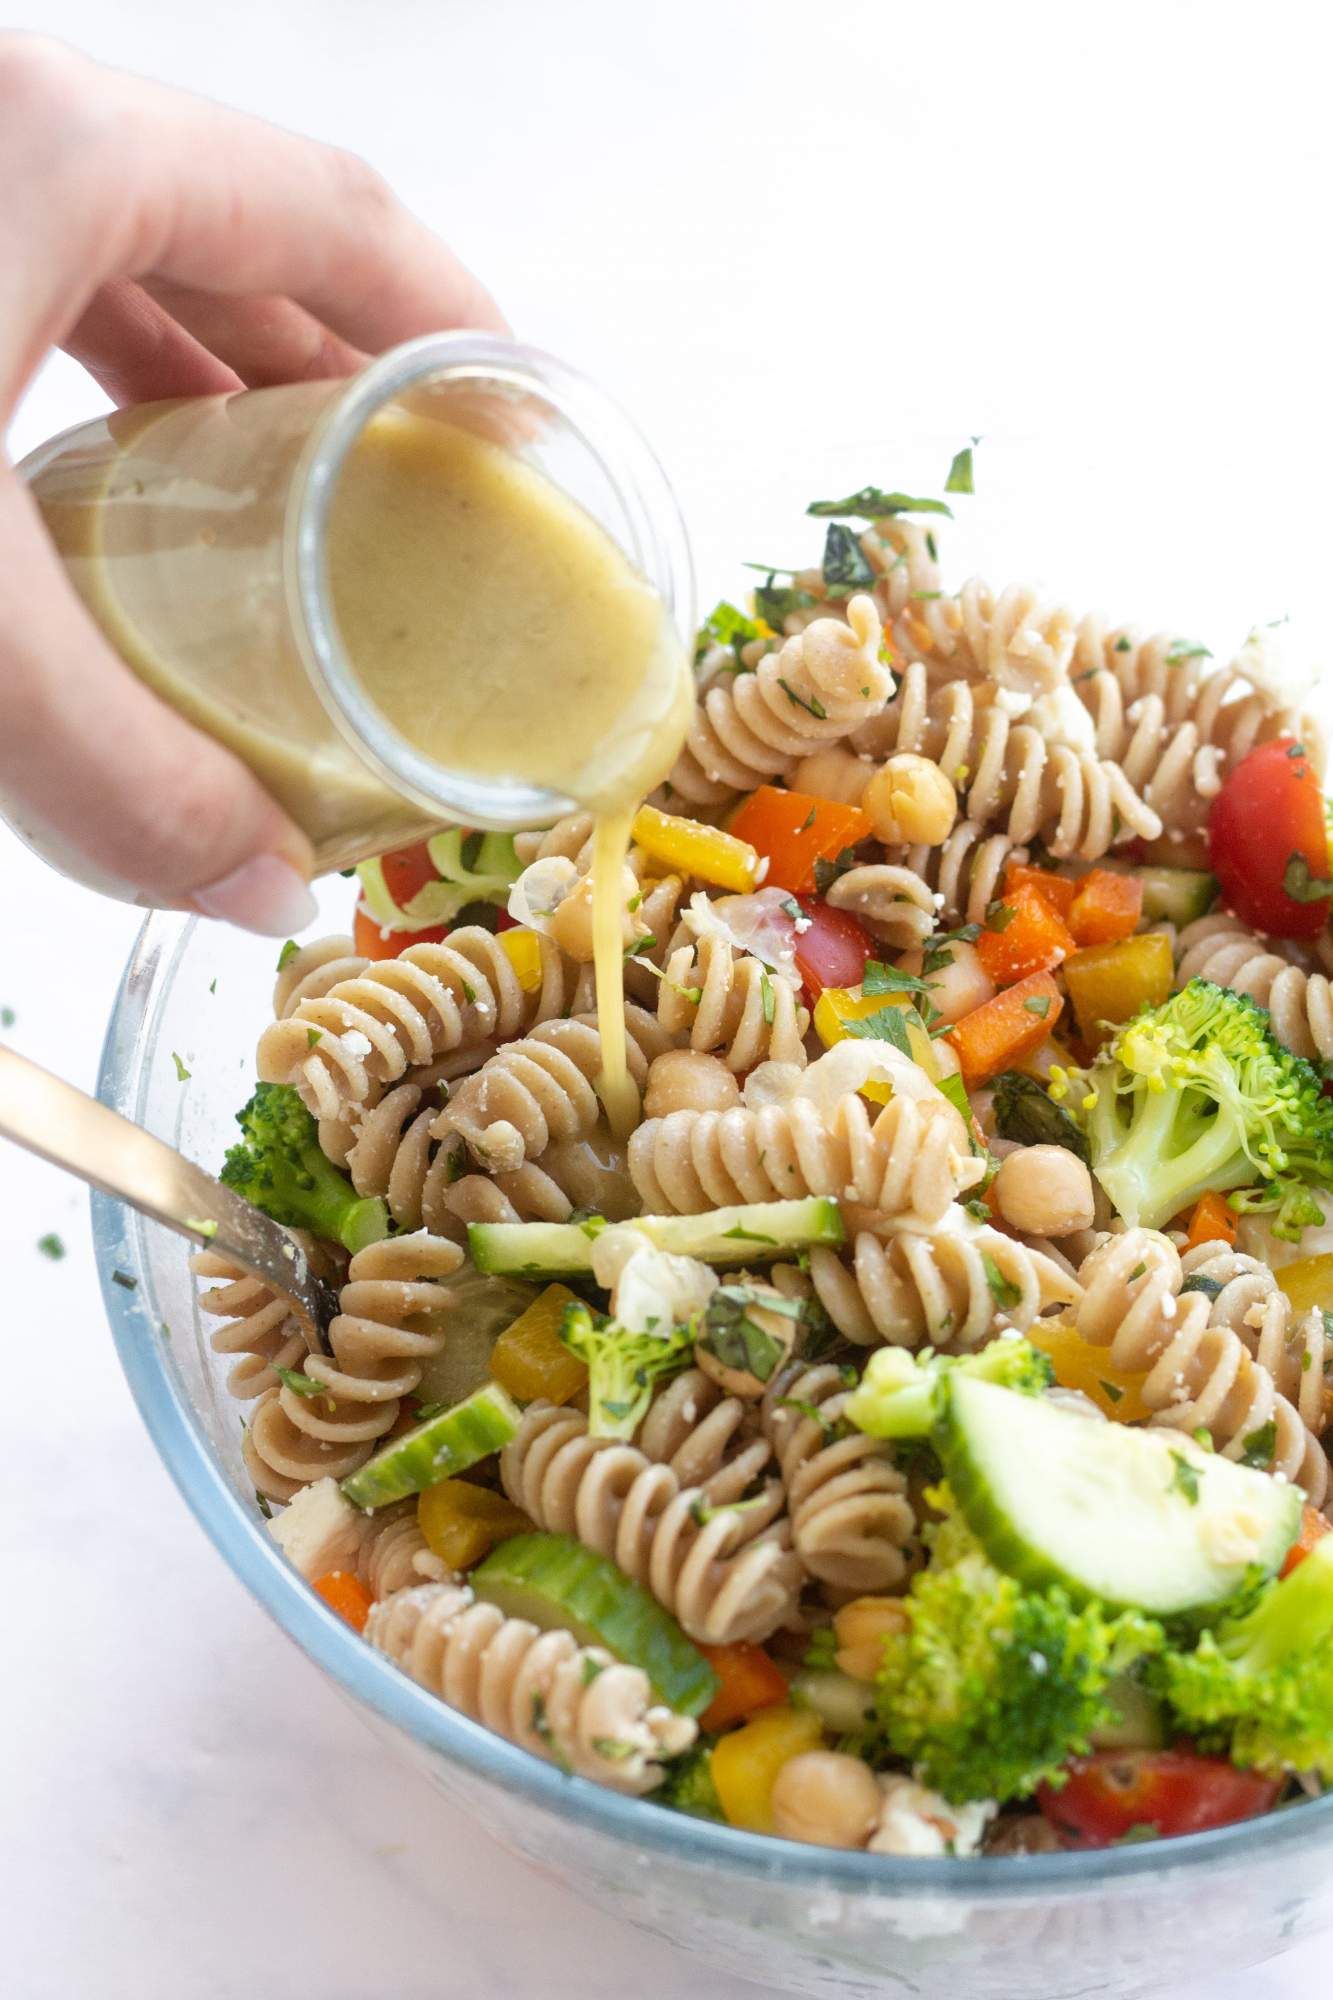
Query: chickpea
x=684, y=1080
x=910, y=800
x=957, y=986
x=1045, y=1191
x=825, y=1797
x=571, y=921
x=861, y=1628
x=835, y=772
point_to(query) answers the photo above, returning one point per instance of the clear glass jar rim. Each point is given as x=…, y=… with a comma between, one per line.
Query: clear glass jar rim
x=660, y=550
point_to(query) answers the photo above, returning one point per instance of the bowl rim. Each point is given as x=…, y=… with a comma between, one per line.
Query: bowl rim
x=237, y=1533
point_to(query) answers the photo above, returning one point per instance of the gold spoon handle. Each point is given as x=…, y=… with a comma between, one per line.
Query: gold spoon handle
x=60, y=1124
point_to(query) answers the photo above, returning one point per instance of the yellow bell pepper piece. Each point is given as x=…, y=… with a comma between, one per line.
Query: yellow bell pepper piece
x=463, y=1522
x=1309, y=1283
x=530, y=1359
x=745, y=1763
x=690, y=848
x=1109, y=982
x=837, y=1005
x=523, y=949
x=1079, y=1364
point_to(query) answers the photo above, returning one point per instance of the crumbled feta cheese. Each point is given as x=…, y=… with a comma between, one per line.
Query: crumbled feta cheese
x=914, y=1820
x=651, y=1290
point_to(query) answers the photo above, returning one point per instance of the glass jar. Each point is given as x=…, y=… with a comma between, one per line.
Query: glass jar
x=196, y=533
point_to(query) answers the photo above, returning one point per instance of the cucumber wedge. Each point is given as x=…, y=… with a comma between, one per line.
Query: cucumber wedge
x=1176, y=895
x=755, y=1233
x=1141, y=1519
x=552, y=1580
x=445, y=1444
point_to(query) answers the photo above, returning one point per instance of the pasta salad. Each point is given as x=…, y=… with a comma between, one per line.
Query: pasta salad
x=912, y=1437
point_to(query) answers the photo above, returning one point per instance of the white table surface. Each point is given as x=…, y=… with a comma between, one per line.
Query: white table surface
x=809, y=245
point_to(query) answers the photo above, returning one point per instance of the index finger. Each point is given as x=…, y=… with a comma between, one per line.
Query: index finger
x=126, y=178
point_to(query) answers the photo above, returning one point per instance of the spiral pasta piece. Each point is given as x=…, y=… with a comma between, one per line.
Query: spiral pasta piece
x=260, y=1329
x=1299, y=1000
x=706, y=1437
x=339, y=1047
x=1198, y=1374
x=1013, y=639
x=914, y=1158
x=1295, y=1348
x=726, y=1572
x=743, y=1012
x=541, y=1089
x=852, y=1523
x=894, y=902
x=307, y=971
x=952, y=1289
x=813, y=689
x=1011, y=774
x=962, y=877
x=574, y=1705
x=391, y=1321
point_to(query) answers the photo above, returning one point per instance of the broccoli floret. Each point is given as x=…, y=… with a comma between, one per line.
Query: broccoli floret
x=624, y=1367
x=900, y=1394
x=990, y=1688
x=472, y=868
x=689, y=1784
x=279, y=1167
x=1198, y=1095
x=1260, y=1683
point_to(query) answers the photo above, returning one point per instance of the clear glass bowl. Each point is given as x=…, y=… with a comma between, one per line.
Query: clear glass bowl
x=1132, y=1920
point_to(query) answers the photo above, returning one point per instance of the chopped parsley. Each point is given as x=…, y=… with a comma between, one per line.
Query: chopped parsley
x=1183, y=650
x=1039, y=1004
x=827, y=872
x=999, y=915
x=7, y=1017
x=182, y=1074
x=960, y=472
x=726, y=626
x=51, y=1246
x=872, y=503
x=775, y=604
x=1004, y=1292
x=1257, y=1447
x=313, y=1035
x=1110, y=1391
x=1185, y=1478
x=125, y=1281
x=886, y=1024
x=299, y=1384
x=287, y=954
x=813, y=707
x=844, y=566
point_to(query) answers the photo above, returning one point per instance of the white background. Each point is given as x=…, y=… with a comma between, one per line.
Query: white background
x=810, y=246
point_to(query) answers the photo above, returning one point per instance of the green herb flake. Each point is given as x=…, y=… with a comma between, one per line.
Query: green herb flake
x=313, y=1035
x=725, y=626
x=768, y=997
x=287, y=954
x=212, y=986
x=201, y=1227
x=999, y=915
x=827, y=872
x=1199, y=1281
x=813, y=707
x=1137, y=1272
x=1203, y=1437
x=805, y=827
x=1300, y=882
x=880, y=978
x=51, y=1246
x=634, y=902
x=299, y=1384
x=1185, y=1478
x=125, y=1281
x=791, y=908
x=775, y=604
x=845, y=566
x=960, y=472
x=589, y=1669
x=1039, y=1004
x=873, y=504
x=263, y=1505
x=7, y=1017
x=886, y=1024
x=1002, y=1290
x=1183, y=650
x=641, y=945
x=1110, y=1391
x=182, y=1074
x=1123, y=644
x=1257, y=1447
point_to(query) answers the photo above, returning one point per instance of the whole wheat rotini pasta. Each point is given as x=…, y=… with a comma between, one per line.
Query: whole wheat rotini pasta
x=1299, y=999
x=944, y=1289
x=573, y=1705
x=726, y=1572
x=377, y=1357
x=708, y=1438
x=259, y=1327
x=743, y=1012
x=911, y=1158
x=1198, y=1374
x=1295, y=1348
x=851, y=1521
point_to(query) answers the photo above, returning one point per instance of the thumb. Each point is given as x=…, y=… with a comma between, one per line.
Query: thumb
x=96, y=765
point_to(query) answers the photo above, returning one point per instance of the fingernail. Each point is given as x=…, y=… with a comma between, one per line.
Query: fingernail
x=265, y=894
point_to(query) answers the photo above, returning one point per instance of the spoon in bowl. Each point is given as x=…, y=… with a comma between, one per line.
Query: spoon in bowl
x=60, y=1124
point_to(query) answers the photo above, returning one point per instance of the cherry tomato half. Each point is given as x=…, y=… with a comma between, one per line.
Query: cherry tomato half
x=1267, y=834
x=1116, y=1792
x=833, y=951
x=372, y=942
x=406, y=870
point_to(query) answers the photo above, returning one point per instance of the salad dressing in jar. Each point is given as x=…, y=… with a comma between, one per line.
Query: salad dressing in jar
x=447, y=590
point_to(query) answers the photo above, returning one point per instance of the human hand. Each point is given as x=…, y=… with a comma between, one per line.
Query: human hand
x=175, y=248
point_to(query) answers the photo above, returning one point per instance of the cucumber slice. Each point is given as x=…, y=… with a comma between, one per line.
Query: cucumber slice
x=1140, y=1519
x=1176, y=895
x=842, y=1704
x=448, y=1443
x=754, y=1233
x=552, y=1580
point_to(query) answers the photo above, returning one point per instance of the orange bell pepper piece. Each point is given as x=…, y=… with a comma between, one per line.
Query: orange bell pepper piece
x=747, y=1681
x=1023, y=934
x=1106, y=907
x=796, y=829
x=1213, y=1221
x=347, y=1595
x=1057, y=889
x=1313, y=1528
x=1000, y=1033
